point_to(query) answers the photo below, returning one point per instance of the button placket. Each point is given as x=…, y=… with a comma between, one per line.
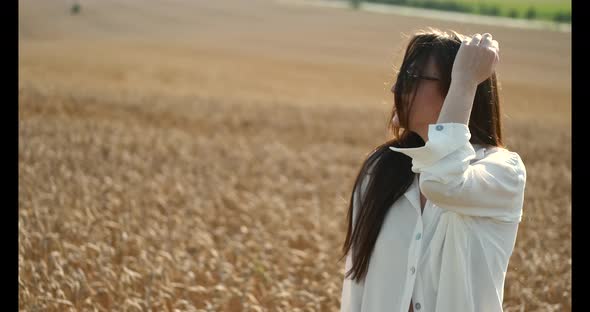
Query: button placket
x=416, y=250
x=414, y=257
x=418, y=293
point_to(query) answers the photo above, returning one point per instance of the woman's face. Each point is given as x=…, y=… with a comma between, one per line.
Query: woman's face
x=427, y=103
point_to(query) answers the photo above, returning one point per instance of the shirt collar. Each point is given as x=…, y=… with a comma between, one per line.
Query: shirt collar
x=412, y=194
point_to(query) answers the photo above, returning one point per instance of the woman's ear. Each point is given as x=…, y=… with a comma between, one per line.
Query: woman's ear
x=395, y=121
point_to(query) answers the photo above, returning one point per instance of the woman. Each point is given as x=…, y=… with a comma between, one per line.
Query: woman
x=431, y=226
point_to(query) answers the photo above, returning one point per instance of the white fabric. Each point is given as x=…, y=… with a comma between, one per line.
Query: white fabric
x=467, y=230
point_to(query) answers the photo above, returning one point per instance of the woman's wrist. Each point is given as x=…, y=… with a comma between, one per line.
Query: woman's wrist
x=458, y=102
x=463, y=83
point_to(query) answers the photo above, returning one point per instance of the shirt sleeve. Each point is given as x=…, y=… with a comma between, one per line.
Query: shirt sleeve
x=352, y=292
x=490, y=187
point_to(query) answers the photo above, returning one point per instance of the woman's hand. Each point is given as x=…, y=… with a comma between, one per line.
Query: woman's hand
x=476, y=60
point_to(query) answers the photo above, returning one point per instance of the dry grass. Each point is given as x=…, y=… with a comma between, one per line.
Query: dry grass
x=159, y=173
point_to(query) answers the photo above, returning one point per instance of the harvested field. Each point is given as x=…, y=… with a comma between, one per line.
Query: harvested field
x=199, y=155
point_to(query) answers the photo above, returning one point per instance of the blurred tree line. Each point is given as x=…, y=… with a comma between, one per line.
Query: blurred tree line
x=483, y=9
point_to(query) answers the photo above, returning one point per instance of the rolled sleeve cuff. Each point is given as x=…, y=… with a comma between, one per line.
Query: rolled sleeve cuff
x=443, y=139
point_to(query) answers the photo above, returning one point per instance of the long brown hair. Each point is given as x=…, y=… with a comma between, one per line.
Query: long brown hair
x=389, y=171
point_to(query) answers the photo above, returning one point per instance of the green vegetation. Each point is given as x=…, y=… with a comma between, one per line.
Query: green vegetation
x=75, y=9
x=531, y=13
x=513, y=13
x=550, y=10
x=355, y=3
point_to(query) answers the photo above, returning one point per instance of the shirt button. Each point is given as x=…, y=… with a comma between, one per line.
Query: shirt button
x=417, y=305
x=439, y=127
x=418, y=236
x=413, y=269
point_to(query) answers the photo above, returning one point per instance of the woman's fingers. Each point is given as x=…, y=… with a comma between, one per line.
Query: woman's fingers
x=476, y=58
x=465, y=40
x=486, y=40
x=475, y=39
x=496, y=46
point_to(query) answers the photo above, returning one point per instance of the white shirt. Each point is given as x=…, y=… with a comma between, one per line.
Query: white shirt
x=454, y=255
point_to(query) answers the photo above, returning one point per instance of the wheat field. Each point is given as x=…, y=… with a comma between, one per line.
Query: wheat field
x=199, y=155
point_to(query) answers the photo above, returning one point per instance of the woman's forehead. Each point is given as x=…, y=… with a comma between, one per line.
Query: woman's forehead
x=430, y=66
x=422, y=62
x=424, y=66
